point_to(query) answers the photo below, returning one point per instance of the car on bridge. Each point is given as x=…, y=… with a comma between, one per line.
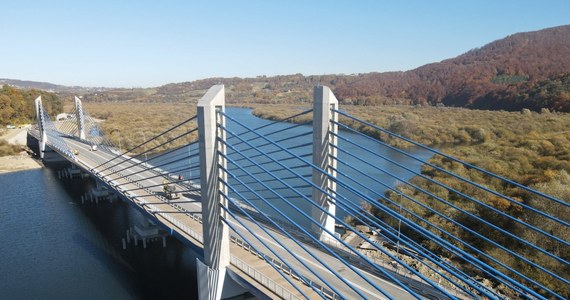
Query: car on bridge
x=169, y=190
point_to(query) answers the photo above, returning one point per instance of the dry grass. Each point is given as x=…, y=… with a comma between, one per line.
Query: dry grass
x=530, y=148
x=7, y=149
x=130, y=124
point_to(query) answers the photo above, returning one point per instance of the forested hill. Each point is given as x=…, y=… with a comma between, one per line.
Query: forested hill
x=48, y=87
x=17, y=106
x=476, y=78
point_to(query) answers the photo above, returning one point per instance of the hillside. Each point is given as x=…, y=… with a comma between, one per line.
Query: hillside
x=499, y=75
x=17, y=106
x=27, y=84
x=468, y=79
x=48, y=87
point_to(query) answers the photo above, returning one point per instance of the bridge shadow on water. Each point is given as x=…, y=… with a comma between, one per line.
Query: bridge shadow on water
x=156, y=272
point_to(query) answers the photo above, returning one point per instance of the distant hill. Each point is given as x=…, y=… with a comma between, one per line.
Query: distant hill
x=48, y=87
x=26, y=84
x=523, y=70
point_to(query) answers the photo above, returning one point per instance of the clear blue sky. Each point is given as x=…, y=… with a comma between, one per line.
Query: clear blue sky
x=143, y=43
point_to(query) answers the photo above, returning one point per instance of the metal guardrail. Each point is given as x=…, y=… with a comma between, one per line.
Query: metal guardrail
x=273, y=286
x=285, y=269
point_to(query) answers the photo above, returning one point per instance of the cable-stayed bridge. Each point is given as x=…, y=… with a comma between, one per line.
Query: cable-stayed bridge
x=263, y=205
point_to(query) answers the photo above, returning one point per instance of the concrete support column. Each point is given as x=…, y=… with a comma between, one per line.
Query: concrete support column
x=80, y=119
x=324, y=157
x=41, y=125
x=211, y=272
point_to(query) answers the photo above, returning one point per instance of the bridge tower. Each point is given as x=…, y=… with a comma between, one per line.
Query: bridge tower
x=80, y=118
x=41, y=125
x=324, y=157
x=212, y=272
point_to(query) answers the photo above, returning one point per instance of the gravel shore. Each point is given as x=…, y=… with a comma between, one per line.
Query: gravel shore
x=17, y=162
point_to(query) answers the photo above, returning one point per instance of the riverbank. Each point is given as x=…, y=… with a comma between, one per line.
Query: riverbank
x=14, y=163
x=530, y=148
x=21, y=161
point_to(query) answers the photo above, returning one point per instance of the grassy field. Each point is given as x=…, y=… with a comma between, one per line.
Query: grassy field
x=130, y=124
x=521, y=146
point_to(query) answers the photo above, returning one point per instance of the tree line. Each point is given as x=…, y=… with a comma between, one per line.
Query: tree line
x=17, y=106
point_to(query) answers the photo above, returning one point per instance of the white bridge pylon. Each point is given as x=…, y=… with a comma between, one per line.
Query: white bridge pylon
x=212, y=272
x=324, y=157
x=41, y=125
x=80, y=118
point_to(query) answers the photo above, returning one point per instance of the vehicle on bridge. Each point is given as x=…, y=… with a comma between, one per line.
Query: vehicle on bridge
x=169, y=190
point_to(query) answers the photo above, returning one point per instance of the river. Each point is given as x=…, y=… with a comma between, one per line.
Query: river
x=54, y=247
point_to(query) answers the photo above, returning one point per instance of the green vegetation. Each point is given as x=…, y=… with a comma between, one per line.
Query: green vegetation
x=17, y=106
x=509, y=79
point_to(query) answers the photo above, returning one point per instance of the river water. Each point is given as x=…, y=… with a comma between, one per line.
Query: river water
x=54, y=247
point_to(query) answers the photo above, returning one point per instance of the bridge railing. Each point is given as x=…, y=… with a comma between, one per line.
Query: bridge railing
x=261, y=278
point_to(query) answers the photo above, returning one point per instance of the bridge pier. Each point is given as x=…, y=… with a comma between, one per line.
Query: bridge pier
x=145, y=232
x=324, y=157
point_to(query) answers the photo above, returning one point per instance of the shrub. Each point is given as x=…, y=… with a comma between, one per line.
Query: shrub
x=8, y=149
